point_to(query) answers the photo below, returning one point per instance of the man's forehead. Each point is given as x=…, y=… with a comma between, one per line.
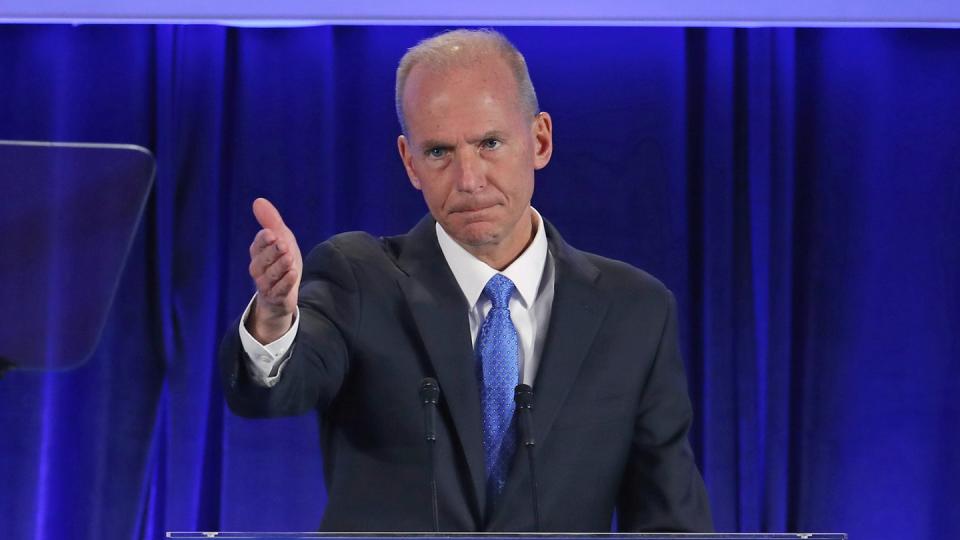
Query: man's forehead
x=442, y=102
x=443, y=83
x=433, y=129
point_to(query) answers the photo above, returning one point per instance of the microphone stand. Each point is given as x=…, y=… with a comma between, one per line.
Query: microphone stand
x=430, y=396
x=523, y=396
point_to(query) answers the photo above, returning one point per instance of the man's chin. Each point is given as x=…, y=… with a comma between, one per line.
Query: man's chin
x=474, y=234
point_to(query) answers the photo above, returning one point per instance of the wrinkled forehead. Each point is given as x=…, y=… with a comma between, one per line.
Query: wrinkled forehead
x=483, y=93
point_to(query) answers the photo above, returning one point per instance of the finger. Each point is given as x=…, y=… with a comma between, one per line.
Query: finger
x=269, y=277
x=286, y=283
x=279, y=267
x=261, y=241
x=263, y=289
x=262, y=261
x=279, y=295
x=264, y=286
x=267, y=215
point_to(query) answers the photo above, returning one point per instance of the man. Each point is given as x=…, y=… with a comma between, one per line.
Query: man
x=482, y=294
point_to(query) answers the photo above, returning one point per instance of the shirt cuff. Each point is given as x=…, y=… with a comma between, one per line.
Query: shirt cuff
x=266, y=362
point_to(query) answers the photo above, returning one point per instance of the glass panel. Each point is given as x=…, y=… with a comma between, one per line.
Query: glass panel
x=68, y=213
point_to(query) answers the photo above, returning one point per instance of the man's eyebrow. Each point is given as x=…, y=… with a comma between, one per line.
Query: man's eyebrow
x=434, y=143
x=492, y=134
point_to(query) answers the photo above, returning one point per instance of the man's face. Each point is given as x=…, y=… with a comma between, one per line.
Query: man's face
x=472, y=148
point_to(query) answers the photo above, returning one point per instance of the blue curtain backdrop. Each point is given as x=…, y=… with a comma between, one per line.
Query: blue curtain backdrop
x=797, y=188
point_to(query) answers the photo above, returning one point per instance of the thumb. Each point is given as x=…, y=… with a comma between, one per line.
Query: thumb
x=267, y=215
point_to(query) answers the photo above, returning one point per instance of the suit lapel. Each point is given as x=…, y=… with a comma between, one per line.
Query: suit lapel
x=440, y=313
x=575, y=318
x=574, y=321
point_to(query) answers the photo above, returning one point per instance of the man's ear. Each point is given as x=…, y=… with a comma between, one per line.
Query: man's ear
x=542, y=139
x=406, y=156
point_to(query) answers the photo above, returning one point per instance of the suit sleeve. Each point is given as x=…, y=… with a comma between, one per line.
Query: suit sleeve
x=319, y=358
x=662, y=488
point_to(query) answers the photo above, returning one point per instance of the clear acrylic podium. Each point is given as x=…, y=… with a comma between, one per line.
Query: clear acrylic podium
x=502, y=536
x=68, y=215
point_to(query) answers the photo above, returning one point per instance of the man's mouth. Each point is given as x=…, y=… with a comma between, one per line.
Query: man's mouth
x=472, y=208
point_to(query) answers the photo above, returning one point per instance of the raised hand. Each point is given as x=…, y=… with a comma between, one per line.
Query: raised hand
x=276, y=267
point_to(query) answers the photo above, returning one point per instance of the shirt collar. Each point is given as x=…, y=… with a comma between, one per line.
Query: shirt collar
x=472, y=274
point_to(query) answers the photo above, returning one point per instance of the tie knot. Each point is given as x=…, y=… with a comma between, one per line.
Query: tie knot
x=498, y=290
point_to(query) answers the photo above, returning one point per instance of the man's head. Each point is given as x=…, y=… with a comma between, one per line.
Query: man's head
x=458, y=48
x=473, y=138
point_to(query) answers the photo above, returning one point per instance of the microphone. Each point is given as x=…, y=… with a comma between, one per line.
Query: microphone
x=5, y=366
x=429, y=397
x=523, y=396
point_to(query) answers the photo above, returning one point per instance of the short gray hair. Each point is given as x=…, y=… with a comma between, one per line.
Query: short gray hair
x=458, y=48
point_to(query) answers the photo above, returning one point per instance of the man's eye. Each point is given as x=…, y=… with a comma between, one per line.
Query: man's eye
x=491, y=144
x=436, y=152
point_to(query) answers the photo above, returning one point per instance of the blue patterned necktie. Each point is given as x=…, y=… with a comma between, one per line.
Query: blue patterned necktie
x=498, y=354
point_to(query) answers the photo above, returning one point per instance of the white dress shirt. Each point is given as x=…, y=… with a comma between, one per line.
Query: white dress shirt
x=530, y=305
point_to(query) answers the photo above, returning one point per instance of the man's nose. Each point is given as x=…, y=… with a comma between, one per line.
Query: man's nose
x=472, y=176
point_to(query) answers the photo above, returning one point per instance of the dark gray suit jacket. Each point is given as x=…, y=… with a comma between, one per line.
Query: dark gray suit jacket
x=611, y=410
